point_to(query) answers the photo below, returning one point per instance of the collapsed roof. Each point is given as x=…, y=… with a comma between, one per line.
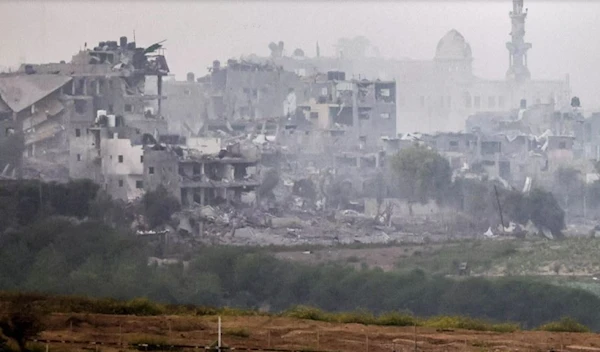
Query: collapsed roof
x=22, y=91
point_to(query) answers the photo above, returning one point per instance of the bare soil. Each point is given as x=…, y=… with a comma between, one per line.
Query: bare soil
x=115, y=332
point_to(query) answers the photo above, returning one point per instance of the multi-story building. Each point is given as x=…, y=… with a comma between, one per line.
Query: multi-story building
x=350, y=115
x=200, y=175
x=36, y=108
x=186, y=105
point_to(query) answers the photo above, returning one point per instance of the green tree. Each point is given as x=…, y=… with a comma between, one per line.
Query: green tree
x=159, y=205
x=546, y=213
x=269, y=182
x=422, y=174
x=568, y=185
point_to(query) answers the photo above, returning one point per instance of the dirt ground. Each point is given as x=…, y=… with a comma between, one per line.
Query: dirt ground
x=115, y=332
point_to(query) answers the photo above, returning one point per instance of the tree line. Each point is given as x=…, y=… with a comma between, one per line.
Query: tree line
x=92, y=259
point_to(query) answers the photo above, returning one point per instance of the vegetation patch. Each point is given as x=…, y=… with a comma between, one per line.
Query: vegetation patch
x=241, y=333
x=564, y=325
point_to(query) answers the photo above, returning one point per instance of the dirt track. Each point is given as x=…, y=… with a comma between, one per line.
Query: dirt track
x=293, y=334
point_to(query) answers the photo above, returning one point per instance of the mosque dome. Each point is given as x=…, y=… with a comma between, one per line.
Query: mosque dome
x=453, y=47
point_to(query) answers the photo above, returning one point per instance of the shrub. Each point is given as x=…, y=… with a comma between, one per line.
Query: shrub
x=457, y=322
x=396, y=319
x=357, y=317
x=505, y=327
x=143, y=306
x=242, y=333
x=305, y=312
x=564, y=325
x=21, y=321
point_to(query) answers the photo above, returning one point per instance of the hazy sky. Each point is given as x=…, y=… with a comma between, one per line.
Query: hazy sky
x=563, y=33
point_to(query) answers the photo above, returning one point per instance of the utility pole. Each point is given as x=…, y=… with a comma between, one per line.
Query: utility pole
x=219, y=338
x=499, y=207
x=415, y=336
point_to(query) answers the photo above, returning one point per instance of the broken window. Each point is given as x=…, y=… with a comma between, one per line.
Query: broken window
x=77, y=132
x=196, y=169
x=80, y=106
x=141, y=159
x=5, y=116
x=314, y=115
x=120, y=183
x=121, y=159
x=491, y=102
x=385, y=115
x=139, y=184
x=80, y=86
x=151, y=170
x=477, y=102
x=488, y=148
x=78, y=157
x=128, y=108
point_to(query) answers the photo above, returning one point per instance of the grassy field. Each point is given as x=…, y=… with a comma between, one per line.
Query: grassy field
x=571, y=262
x=118, y=333
x=73, y=324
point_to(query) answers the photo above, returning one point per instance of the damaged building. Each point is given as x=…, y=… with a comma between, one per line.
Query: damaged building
x=34, y=106
x=110, y=109
x=200, y=176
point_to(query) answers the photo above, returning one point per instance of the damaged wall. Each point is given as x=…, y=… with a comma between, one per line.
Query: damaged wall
x=161, y=167
x=122, y=167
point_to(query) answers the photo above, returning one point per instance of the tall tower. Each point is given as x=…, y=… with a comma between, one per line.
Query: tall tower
x=517, y=48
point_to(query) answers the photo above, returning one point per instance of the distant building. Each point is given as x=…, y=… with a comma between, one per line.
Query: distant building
x=186, y=106
x=350, y=115
x=439, y=94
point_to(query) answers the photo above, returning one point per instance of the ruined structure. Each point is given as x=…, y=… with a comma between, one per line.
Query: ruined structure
x=186, y=105
x=91, y=114
x=36, y=108
x=201, y=176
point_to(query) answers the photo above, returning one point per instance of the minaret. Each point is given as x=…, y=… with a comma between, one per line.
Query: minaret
x=517, y=48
